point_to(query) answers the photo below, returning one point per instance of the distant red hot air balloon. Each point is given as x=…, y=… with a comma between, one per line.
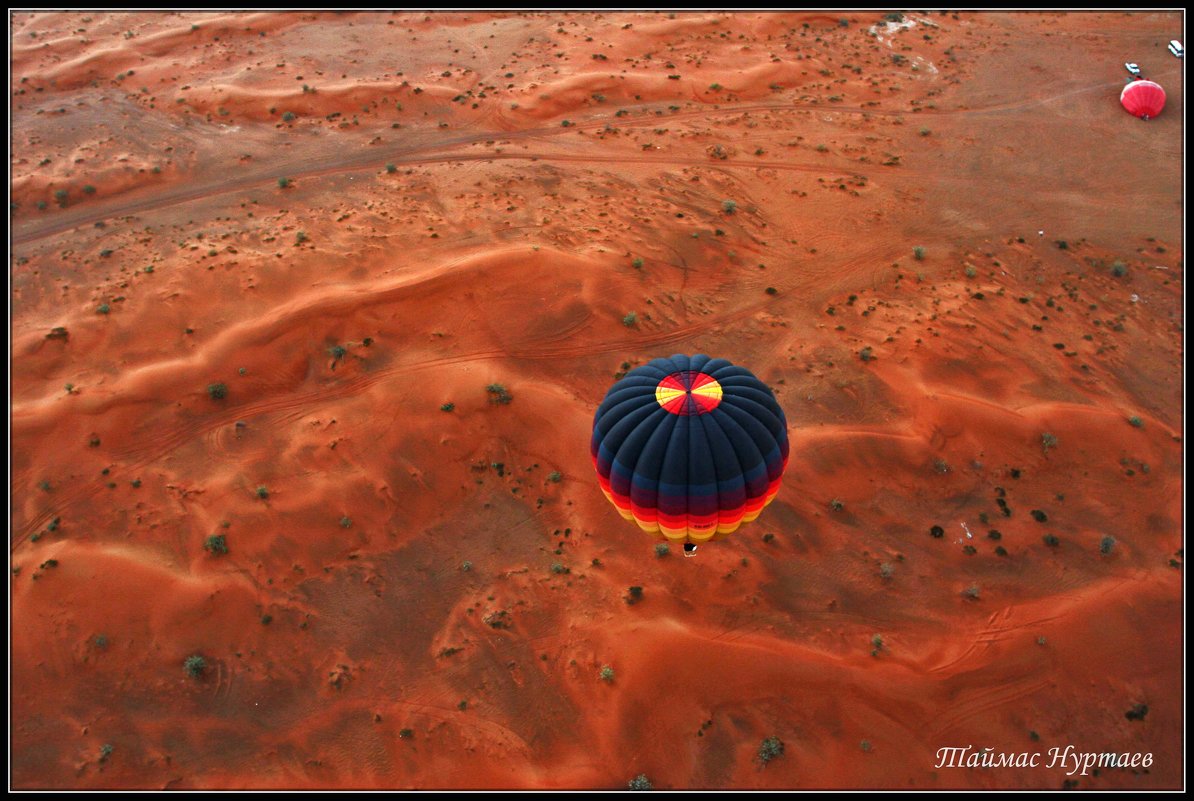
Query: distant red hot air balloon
x=1143, y=99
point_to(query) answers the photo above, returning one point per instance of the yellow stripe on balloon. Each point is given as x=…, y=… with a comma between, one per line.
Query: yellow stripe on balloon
x=665, y=395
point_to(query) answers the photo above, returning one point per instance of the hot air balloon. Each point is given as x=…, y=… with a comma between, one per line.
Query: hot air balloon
x=1144, y=99
x=689, y=447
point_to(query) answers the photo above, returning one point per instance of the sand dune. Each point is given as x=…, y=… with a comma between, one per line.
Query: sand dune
x=267, y=269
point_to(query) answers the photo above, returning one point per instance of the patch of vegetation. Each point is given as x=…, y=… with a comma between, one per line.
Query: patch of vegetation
x=1136, y=421
x=607, y=674
x=500, y=619
x=216, y=544
x=262, y=493
x=662, y=549
x=1107, y=545
x=630, y=319
x=1051, y=540
x=1137, y=712
x=195, y=665
x=770, y=748
x=640, y=782
x=836, y=505
x=283, y=183
x=635, y=595
x=498, y=394
x=1048, y=441
x=217, y=391
x=918, y=253
x=729, y=206
x=345, y=522
x=971, y=592
x=447, y=407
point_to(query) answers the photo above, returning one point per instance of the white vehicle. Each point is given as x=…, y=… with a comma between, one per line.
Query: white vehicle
x=1132, y=67
x=1175, y=47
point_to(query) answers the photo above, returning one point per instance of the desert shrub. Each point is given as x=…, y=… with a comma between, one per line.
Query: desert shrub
x=345, y=522
x=498, y=394
x=466, y=566
x=638, y=263
x=391, y=168
x=607, y=673
x=554, y=476
x=866, y=354
x=283, y=183
x=558, y=568
x=887, y=570
x=216, y=544
x=635, y=595
x=447, y=407
x=217, y=391
x=662, y=549
x=1119, y=269
x=1048, y=441
x=1136, y=421
x=1107, y=544
x=1051, y=540
x=729, y=206
x=971, y=592
x=1137, y=712
x=918, y=253
x=288, y=116
x=630, y=319
x=262, y=493
x=195, y=665
x=836, y=505
x=1039, y=516
x=640, y=782
x=770, y=748
x=103, y=308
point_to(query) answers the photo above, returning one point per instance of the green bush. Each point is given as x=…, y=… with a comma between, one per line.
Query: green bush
x=217, y=391
x=640, y=782
x=770, y=748
x=195, y=665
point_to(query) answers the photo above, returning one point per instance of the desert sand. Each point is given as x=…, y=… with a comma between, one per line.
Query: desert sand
x=266, y=265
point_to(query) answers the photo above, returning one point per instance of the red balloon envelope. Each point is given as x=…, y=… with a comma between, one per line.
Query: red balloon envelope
x=1144, y=99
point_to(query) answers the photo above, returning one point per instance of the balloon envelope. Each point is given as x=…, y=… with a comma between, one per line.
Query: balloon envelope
x=690, y=447
x=1144, y=99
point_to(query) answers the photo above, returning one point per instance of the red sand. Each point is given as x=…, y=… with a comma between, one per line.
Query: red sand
x=535, y=157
